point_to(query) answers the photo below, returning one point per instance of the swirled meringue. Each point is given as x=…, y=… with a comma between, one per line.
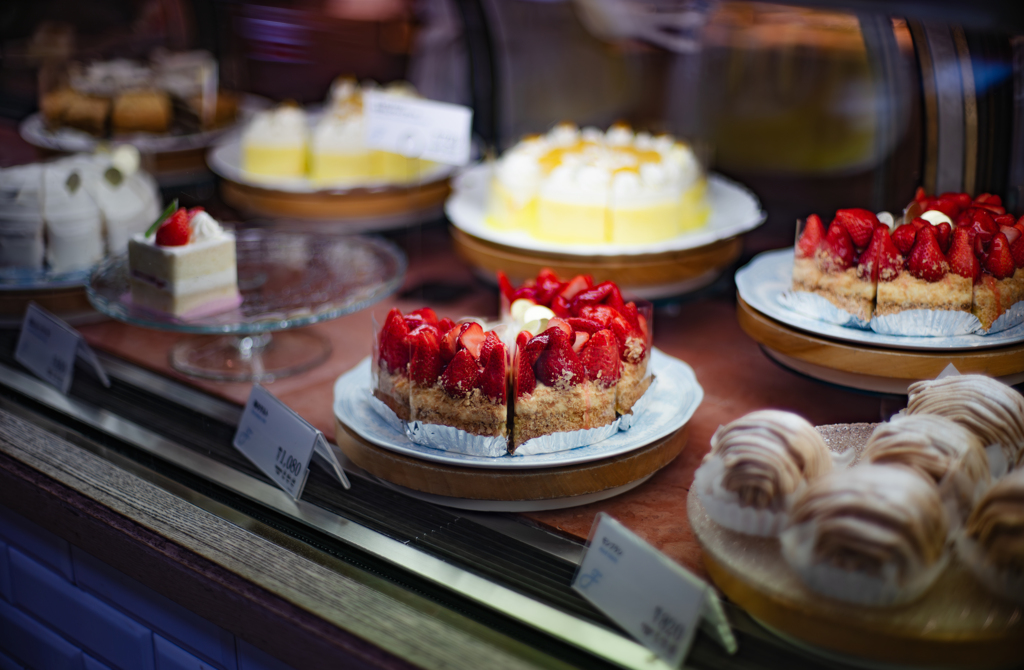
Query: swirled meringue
x=988, y=408
x=997, y=523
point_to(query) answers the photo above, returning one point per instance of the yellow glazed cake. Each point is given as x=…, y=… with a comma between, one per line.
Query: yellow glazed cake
x=592, y=187
x=275, y=143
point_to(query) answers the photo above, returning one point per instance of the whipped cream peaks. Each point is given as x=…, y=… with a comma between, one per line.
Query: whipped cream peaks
x=205, y=227
x=283, y=125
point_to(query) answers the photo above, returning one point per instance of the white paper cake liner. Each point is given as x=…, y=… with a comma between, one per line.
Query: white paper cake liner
x=849, y=586
x=1008, y=319
x=1003, y=583
x=574, y=439
x=445, y=438
x=725, y=509
x=816, y=307
x=926, y=323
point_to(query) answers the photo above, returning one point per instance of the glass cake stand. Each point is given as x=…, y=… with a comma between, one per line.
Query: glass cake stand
x=287, y=280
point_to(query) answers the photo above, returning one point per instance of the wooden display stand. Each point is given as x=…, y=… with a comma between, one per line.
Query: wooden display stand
x=650, y=275
x=353, y=204
x=508, y=484
x=869, y=367
x=70, y=304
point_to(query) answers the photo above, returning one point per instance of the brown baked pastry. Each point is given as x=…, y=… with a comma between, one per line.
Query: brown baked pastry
x=988, y=408
x=225, y=109
x=875, y=520
x=937, y=448
x=88, y=113
x=767, y=454
x=141, y=111
x=997, y=523
x=54, y=105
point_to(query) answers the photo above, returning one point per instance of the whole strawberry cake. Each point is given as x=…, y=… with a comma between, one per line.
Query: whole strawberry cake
x=951, y=253
x=575, y=357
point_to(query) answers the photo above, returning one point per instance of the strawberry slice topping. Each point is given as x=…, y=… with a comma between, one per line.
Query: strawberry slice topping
x=580, y=341
x=1000, y=263
x=505, y=286
x=962, y=260
x=575, y=285
x=811, y=238
x=560, y=306
x=493, y=376
x=839, y=249
x=944, y=232
x=581, y=325
x=175, y=231
x=600, y=359
x=926, y=260
x=423, y=314
x=903, y=237
x=471, y=338
x=460, y=377
x=450, y=343
x=860, y=223
x=882, y=260
x=526, y=381
x=558, y=366
x=394, y=348
x=444, y=325
x=425, y=356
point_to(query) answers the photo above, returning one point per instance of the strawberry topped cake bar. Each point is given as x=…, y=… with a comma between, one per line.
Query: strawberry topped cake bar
x=951, y=253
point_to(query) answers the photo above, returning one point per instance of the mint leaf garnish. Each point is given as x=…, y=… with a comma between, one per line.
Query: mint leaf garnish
x=171, y=209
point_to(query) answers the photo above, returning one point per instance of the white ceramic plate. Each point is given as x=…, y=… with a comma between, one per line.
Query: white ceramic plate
x=225, y=159
x=769, y=275
x=734, y=210
x=676, y=397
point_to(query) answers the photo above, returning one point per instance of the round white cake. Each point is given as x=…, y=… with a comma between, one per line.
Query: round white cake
x=591, y=187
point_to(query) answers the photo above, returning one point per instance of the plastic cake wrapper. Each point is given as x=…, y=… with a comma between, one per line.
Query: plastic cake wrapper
x=855, y=586
x=725, y=508
x=1008, y=584
x=817, y=307
x=445, y=438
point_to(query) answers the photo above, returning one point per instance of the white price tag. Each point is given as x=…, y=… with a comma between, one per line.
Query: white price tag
x=435, y=131
x=280, y=442
x=48, y=347
x=654, y=599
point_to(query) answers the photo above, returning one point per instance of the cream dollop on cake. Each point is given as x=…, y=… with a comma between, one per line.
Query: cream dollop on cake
x=767, y=455
x=988, y=408
x=874, y=519
x=592, y=187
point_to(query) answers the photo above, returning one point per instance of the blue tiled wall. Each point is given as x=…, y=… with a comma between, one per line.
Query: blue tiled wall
x=62, y=608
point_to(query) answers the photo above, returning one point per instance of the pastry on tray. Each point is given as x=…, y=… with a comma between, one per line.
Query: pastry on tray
x=993, y=541
x=552, y=382
x=185, y=267
x=949, y=255
x=756, y=465
x=592, y=187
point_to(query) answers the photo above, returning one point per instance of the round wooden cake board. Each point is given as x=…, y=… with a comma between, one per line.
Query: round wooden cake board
x=871, y=368
x=356, y=210
x=70, y=304
x=508, y=484
x=649, y=276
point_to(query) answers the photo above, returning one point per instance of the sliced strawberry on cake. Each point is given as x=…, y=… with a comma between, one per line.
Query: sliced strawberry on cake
x=926, y=280
x=1000, y=285
x=454, y=378
x=825, y=263
x=565, y=381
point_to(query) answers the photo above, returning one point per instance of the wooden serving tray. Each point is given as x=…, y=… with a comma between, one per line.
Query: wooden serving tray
x=868, y=367
x=648, y=275
x=956, y=623
x=354, y=204
x=508, y=484
x=71, y=304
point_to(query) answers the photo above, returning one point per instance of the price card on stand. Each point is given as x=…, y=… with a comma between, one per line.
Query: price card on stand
x=434, y=131
x=653, y=598
x=48, y=347
x=281, y=443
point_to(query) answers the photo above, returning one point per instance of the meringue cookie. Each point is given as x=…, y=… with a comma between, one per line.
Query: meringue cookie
x=990, y=409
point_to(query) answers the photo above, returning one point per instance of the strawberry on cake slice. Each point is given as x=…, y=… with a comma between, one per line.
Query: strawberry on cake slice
x=928, y=280
x=826, y=263
x=439, y=372
x=1000, y=282
x=565, y=381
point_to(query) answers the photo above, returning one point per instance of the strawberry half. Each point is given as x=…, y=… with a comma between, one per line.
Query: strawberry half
x=839, y=249
x=394, y=348
x=505, y=286
x=926, y=260
x=903, y=237
x=558, y=365
x=600, y=359
x=811, y=238
x=460, y=377
x=962, y=260
x=424, y=315
x=471, y=338
x=882, y=260
x=425, y=356
x=860, y=223
x=944, y=232
x=492, y=378
x=175, y=231
x=575, y=286
x=1000, y=263
x=526, y=381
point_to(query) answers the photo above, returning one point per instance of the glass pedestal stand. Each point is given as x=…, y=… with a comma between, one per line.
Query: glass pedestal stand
x=287, y=280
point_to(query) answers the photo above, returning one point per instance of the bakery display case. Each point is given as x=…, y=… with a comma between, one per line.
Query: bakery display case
x=487, y=370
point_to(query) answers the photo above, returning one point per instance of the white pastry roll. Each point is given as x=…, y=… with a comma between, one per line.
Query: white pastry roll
x=937, y=448
x=755, y=466
x=872, y=535
x=993, y=543
x=988, y=408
